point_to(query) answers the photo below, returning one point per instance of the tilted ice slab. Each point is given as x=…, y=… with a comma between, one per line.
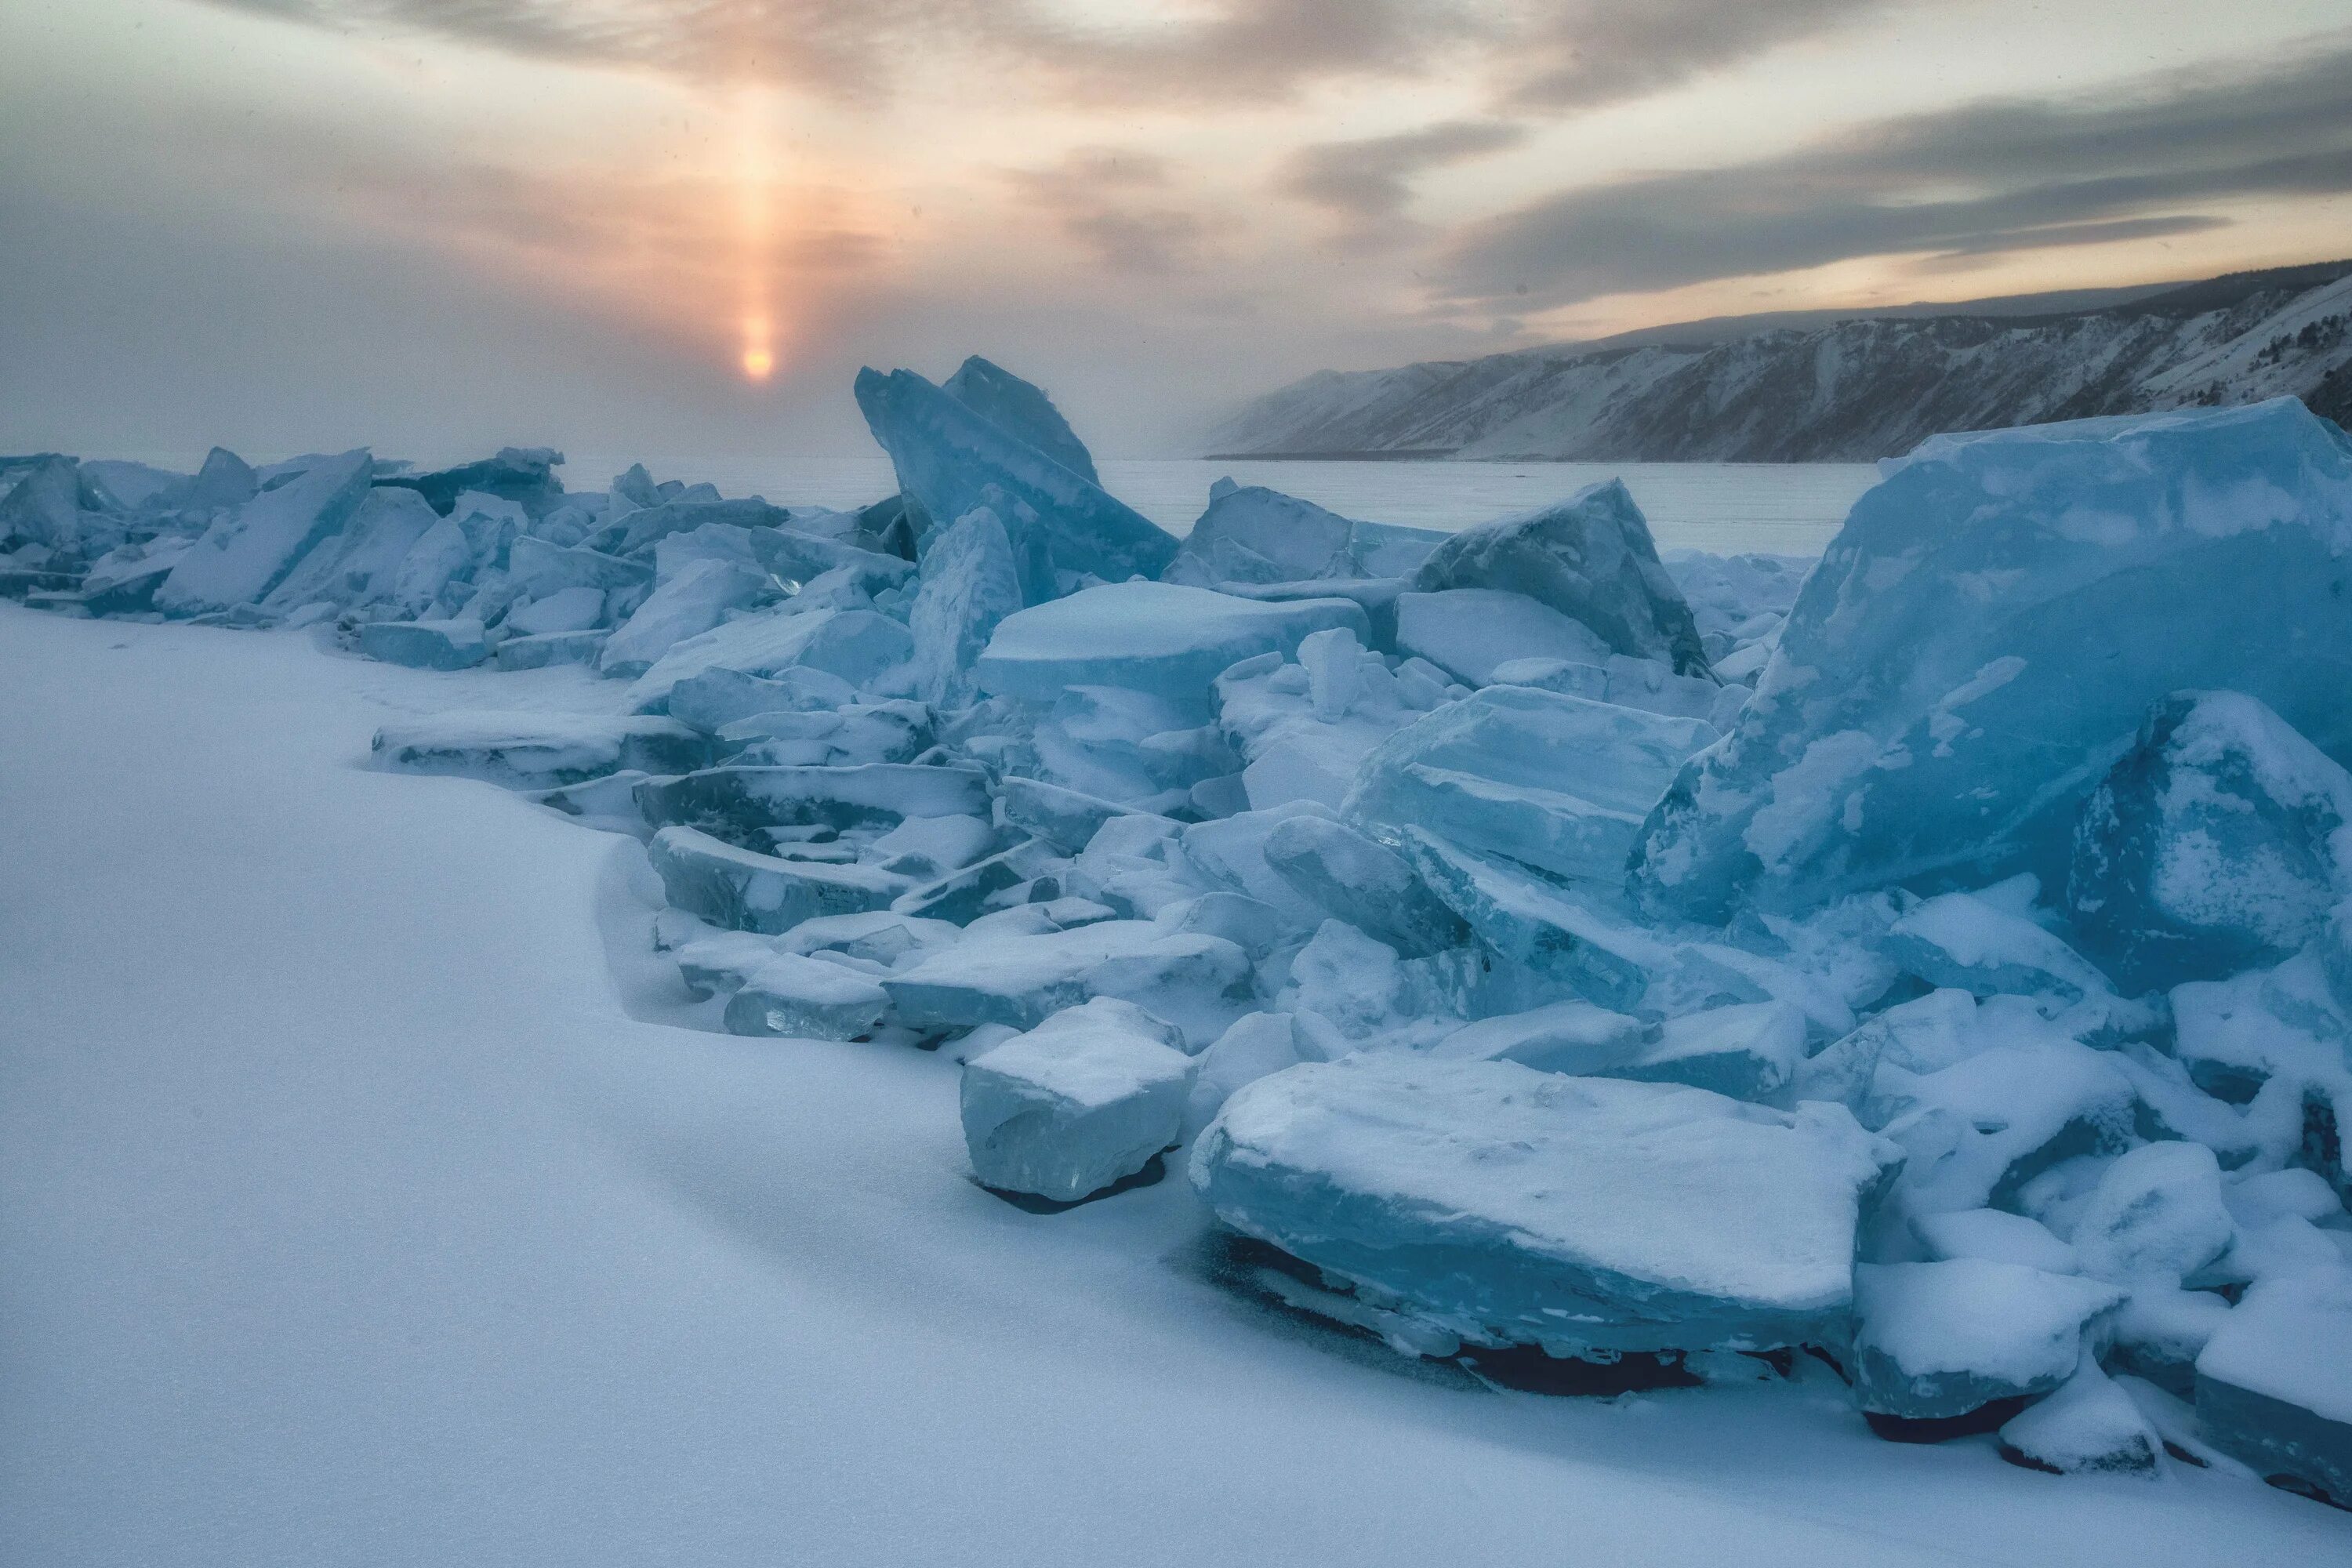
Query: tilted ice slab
x=1983, y=637
x=2274, y=1382
x=2212, y=847
x=953, y=460
x=1162, y=638
x=244, y=555
x=855, y=644
x=1019, y=408
x=1506, y=1205
x=1197, y=982
x=1556, y=781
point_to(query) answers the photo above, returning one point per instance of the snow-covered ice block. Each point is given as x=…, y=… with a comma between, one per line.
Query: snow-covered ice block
x=1088, y=1098
x=1187, y=979
x=1945, y=692
x=1997, y=1238
x=523, y=476
x=720, y=696
x=1257, y=1045
x=2089, y=1425
x=807, y=998
x=124, y=582
x=427, y=645
x=855, y=644
x=2212, y=847
x=1958, y=940
x=1471, y=633
x=969, y=582
x=1748, y=1051
x=699, y=597
x=1303, y=729
x=249, y=551
x=2156, y=1213
x=1590, y=558
x=548, y=648
x=952, y=459
x=1569, y=1036
x=1934, y=1342
x=1019, y=408
x=1357, y=879
x=442, y=556
x=536, y=749
x=1161, y=638
x=1536, y=926
x=741, y=801
x=360, y=559
x=565, y=610
x=2160, y=1332
x=1978, y=1130
x=745, y=890
x=1507, y=1207
x=2274, y=1382
x=888, y=731
x=541, y=568
x=1556, y=781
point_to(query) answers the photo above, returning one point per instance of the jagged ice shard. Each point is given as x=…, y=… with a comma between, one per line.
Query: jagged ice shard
x=953, y=460
x=1984, y=636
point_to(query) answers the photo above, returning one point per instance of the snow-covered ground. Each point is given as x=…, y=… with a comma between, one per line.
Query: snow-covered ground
x=357, y=1206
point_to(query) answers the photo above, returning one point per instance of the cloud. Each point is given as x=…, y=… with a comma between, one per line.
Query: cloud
x=1367, y=183
x=1236, y=50
x=1981, y=179
x=1585, y=53
x=1116, y=203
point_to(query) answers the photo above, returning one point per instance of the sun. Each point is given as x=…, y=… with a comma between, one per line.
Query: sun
x=759, y=362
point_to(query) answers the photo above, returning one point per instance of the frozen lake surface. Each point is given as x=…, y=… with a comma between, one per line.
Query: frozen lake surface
x=360, y=1202
x=1784, y=508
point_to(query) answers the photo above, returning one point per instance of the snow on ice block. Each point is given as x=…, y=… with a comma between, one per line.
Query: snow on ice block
x=1161, y=638
x=124, y=582
x=565, y=610
x=1537, y=926
x=1019, y=408
x=744, y=890
x=1946, y=691
x=952, y=459
x=548, y=648
x=1746, y=1052
x=425, y=645
x=1508, y=1206
x=1936, y=1342
x=1256, y=1046
x=2274, y=1382
x=1470, y=633
x=970, y=583
x=2211, y=847
x=855, y=644
x=2157, y=1214
x=1997, y=1238
x=1084, y=1099
x=1978, y=1130
x=2089, y=1425
x=1357, y=879
x=807, y=999
x=717, y=697
x=698, y=598
x=1961, y=942
x=541, y=568
x=1560, y=1036
x=536, y=749
x=741, y=801
x=1591, y=558
x=348, y=565
x=247, y=553
x=1019, y=980
x=1556, y=781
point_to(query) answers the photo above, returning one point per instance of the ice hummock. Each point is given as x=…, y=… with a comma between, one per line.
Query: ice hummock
x=1946, y=693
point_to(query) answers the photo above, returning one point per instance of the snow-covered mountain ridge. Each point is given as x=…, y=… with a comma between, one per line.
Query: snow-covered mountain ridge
x=1841, y=391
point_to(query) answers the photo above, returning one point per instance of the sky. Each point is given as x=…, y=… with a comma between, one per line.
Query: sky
x=675, y=228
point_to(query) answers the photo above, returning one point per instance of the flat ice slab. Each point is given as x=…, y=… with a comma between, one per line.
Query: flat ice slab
x=1506, y=1205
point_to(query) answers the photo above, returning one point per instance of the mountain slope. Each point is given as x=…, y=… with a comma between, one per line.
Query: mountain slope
x=1844, y=391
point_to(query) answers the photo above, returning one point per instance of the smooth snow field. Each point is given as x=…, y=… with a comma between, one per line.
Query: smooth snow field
x=358, y=1207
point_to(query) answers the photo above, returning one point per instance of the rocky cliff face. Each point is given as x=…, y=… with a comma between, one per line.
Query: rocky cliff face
x=1844, y=392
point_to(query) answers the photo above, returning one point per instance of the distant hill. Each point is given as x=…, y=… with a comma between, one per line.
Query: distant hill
x=1832, y=386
